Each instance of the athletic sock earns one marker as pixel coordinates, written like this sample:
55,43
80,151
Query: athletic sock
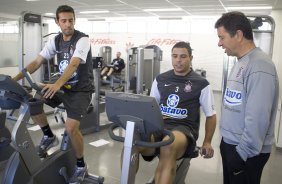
47,131
80,162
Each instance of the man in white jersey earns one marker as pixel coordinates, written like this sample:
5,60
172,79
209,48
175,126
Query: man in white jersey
75,66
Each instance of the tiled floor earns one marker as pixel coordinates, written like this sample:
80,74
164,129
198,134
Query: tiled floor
104,160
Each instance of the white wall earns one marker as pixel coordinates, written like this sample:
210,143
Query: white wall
207,55
278,62
278,43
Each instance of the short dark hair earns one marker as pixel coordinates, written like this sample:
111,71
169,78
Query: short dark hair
183,45
64,8
234,21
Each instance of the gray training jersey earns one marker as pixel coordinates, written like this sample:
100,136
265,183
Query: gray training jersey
250,105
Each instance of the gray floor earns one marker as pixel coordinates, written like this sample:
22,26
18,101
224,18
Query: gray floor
104,160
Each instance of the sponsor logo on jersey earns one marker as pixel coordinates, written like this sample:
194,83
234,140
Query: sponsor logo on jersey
116,62
232,97
171,109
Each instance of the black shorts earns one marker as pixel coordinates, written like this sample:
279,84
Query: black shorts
75,103
186,130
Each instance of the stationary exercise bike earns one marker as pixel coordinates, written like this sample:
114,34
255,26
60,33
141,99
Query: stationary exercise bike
24,165
5,139
140,116
6,148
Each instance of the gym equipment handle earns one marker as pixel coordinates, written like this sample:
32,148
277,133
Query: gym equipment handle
142,143
33,84
158,144
112,135
27,75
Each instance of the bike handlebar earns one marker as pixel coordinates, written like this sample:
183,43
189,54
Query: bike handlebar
142,143
33,84
27,75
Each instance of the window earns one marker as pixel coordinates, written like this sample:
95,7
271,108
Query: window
178,26
100,27
118,27
157,27
137,27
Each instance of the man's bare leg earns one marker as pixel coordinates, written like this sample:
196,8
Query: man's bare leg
166,169
72,128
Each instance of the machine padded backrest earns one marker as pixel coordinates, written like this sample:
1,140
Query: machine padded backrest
141,107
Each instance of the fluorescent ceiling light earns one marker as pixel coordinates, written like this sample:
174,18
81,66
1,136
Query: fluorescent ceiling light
163,9
81,20
200,17
250,8
89,12
97,19
170,18
110,19
49,14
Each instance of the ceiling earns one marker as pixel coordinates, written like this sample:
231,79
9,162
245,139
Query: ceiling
11,9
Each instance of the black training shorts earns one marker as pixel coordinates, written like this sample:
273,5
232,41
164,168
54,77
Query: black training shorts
186,130
75,103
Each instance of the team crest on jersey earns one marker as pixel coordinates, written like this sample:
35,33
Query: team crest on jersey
188,87
232,97
172,100
63,65
240,72
171,109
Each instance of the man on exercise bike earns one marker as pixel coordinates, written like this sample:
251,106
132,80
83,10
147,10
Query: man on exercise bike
75,65
117,65
180,93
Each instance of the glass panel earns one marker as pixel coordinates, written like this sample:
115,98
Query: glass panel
178,27
100,27
118,27
9,44
137,27
157,27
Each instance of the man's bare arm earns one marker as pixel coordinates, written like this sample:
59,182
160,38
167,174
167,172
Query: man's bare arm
31,67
